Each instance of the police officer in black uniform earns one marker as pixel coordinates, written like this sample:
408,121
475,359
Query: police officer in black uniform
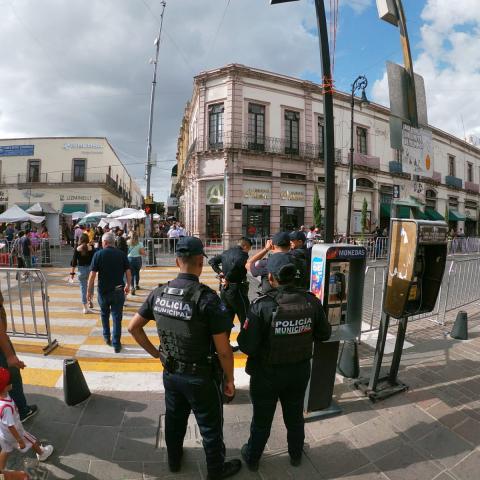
233,278
192,326
278,337
298,243
257,264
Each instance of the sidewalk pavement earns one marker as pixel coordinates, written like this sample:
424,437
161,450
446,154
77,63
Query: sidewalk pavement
430,432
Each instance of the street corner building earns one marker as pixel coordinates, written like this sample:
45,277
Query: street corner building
251,152
65,175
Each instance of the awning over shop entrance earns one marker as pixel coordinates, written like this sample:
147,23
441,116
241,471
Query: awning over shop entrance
455,216
74,207
432,214
385,210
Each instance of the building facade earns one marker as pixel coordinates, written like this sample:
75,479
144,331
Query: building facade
71,174
250,154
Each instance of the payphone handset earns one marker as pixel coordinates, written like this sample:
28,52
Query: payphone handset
337,292
416,262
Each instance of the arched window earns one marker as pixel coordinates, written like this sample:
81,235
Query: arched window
364,183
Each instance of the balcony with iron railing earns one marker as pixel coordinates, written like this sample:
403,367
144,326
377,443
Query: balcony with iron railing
472,187
454,182
364,160
54,179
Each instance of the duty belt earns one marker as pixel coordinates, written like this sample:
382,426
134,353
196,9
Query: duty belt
171,365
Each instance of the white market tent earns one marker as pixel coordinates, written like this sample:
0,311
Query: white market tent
135,215
122,212
41,207
95,214
52,219
111,222
77,215
16,214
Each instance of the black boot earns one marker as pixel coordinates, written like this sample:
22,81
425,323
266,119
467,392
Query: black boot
252,466
229,469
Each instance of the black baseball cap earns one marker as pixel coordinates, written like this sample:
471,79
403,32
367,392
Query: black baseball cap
297,235
281,239
189,247
281,266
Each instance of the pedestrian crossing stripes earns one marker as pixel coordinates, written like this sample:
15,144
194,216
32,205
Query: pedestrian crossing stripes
80,336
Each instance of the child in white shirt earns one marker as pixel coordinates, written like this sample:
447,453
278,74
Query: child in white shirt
12,434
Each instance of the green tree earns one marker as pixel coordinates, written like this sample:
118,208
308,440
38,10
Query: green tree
317,209
364,218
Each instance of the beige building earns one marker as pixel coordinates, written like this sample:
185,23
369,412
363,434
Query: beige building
69,173
250,153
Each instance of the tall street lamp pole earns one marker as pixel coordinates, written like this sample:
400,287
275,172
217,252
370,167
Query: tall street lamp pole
360,83
148,172
329,144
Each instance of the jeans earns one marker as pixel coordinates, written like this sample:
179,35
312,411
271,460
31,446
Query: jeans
17,385
286,383
112,302
135,266
83,273
184,393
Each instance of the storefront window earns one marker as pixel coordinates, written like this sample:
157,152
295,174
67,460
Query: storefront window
214,225
291,218
256,221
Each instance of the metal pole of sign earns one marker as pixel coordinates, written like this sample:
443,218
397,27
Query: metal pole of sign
329,140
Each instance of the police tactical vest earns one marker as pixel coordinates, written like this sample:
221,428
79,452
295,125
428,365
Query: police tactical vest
184,336
291,329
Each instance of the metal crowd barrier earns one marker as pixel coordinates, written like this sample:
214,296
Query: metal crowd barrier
25,294
460,287
158,249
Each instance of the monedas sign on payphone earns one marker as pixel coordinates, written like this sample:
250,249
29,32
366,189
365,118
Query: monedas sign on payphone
415,266
337,277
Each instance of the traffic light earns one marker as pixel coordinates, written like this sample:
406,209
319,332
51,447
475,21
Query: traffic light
147,209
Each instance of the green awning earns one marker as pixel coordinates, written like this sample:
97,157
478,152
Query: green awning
455,216
418,214
385,209
74,207
432,214
403,212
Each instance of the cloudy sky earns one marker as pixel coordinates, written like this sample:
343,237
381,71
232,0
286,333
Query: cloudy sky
81,67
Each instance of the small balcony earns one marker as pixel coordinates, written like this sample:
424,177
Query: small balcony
369,161
472,187
454,182
29,179
395,167
437,177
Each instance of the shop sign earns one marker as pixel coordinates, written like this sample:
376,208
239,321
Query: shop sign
3,196
417,155
257,193
214,193
69,198
82,146
292,195
16,150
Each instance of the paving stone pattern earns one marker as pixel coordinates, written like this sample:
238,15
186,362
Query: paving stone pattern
430,432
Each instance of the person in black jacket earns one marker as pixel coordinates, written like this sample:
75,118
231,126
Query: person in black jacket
192,325
230,267
278,337
120,241
298,243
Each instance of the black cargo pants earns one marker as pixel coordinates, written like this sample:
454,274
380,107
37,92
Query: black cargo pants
286,383
235,298
200,394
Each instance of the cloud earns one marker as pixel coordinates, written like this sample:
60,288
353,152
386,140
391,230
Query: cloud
81,67
448,60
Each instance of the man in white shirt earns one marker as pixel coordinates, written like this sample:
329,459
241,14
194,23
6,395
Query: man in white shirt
173,235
